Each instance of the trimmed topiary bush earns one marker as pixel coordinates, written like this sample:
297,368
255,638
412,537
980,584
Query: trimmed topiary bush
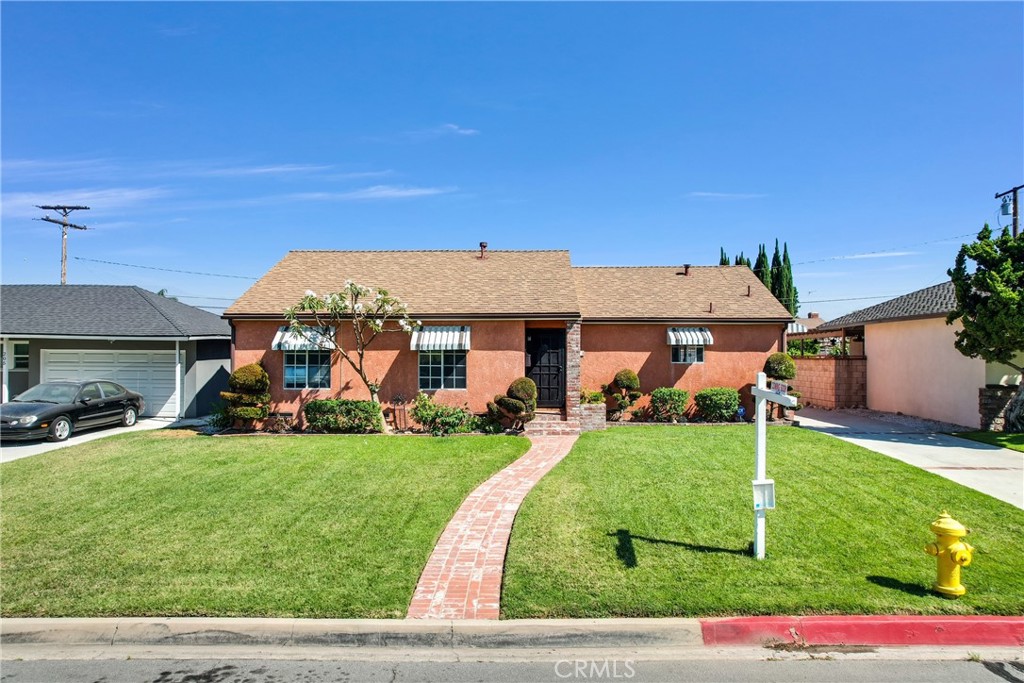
668,404
591,397
440,419
780,366
717,404
343,416
249,395
518,407
624,391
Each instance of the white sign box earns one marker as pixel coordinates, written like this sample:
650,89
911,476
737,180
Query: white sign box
764,494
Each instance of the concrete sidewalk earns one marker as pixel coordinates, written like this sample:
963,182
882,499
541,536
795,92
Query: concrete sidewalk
998,472
881,630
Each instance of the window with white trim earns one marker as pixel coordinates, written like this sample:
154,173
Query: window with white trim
688,354
19,356
442,370
307,369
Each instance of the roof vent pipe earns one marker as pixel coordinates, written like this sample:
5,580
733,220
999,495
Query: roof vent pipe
483,248
686,269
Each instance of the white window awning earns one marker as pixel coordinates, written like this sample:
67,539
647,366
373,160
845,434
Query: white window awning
310,339
689,336
441,338
796,328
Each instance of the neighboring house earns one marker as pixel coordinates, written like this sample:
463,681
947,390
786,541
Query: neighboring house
177,356
489,317
912,364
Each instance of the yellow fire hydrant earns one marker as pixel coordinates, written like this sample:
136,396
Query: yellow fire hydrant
951,553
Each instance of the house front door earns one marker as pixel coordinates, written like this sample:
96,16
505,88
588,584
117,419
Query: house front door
545,365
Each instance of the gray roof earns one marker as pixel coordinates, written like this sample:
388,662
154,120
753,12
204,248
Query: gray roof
929,302
101,311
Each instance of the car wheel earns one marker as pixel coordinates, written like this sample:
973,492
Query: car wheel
130,417
60,429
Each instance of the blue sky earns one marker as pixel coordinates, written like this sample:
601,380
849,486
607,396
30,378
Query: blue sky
215,137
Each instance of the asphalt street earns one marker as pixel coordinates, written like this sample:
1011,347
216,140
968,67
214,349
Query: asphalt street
818,670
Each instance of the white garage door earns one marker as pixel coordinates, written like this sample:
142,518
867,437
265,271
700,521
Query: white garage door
151,373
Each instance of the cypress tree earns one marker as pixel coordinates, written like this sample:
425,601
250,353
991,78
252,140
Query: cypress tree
723,260
761,268
778,282
792,301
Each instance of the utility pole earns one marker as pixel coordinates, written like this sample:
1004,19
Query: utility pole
1016,213
64,211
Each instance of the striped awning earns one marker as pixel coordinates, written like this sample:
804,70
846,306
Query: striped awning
795,328
310,339
441,338
689,336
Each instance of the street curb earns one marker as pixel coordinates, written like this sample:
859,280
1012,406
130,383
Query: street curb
377,633
866,630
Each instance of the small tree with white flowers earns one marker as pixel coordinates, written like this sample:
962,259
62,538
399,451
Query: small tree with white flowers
367,310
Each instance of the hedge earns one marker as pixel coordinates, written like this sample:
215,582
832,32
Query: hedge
343,416
717,404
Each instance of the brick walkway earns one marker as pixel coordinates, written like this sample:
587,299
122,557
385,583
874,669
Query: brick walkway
462,579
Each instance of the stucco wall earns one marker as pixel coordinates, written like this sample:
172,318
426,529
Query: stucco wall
913,368
738,354
496,357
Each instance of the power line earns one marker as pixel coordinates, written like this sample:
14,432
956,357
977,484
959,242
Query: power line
885,251
167,270
211,298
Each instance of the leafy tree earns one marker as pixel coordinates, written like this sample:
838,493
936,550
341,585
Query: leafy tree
164,294
368,311
990,305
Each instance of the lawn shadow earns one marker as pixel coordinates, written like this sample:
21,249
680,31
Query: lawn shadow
626,551
915,589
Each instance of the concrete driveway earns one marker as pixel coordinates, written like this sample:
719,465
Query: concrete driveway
999,472
14,450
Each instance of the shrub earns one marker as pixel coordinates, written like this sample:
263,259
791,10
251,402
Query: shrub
249,395
440,419
717,404
627,379
624,390
668,404
780,366
516,408
343,416
218,417
591,397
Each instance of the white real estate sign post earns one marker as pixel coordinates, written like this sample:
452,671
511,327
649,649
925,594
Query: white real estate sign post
764,488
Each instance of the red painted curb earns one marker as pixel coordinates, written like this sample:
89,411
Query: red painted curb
865,630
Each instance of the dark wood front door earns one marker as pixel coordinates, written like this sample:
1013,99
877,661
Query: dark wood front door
545,365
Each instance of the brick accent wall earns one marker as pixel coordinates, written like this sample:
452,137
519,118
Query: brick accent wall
593,417
993,400
573,384
831,381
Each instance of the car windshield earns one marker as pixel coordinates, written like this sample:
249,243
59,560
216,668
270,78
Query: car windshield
50,393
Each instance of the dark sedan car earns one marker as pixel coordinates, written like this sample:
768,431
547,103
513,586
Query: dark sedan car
53,410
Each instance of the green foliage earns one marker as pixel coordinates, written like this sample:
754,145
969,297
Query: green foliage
790,297
668,404
343,416
627,379
525,390
761,268
218,417
440,419
723,259
717,404
249,395
249,379
366,311
512,405
803,347
780,366
624,391
591,397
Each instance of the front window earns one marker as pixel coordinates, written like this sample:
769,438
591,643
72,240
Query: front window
442,370
307,370
687,354
20,356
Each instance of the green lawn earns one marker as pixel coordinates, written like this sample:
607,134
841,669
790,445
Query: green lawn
656,521
173,524
1012,441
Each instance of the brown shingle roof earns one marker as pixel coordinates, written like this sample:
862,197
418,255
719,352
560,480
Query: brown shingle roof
663,292
934,301
431,283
